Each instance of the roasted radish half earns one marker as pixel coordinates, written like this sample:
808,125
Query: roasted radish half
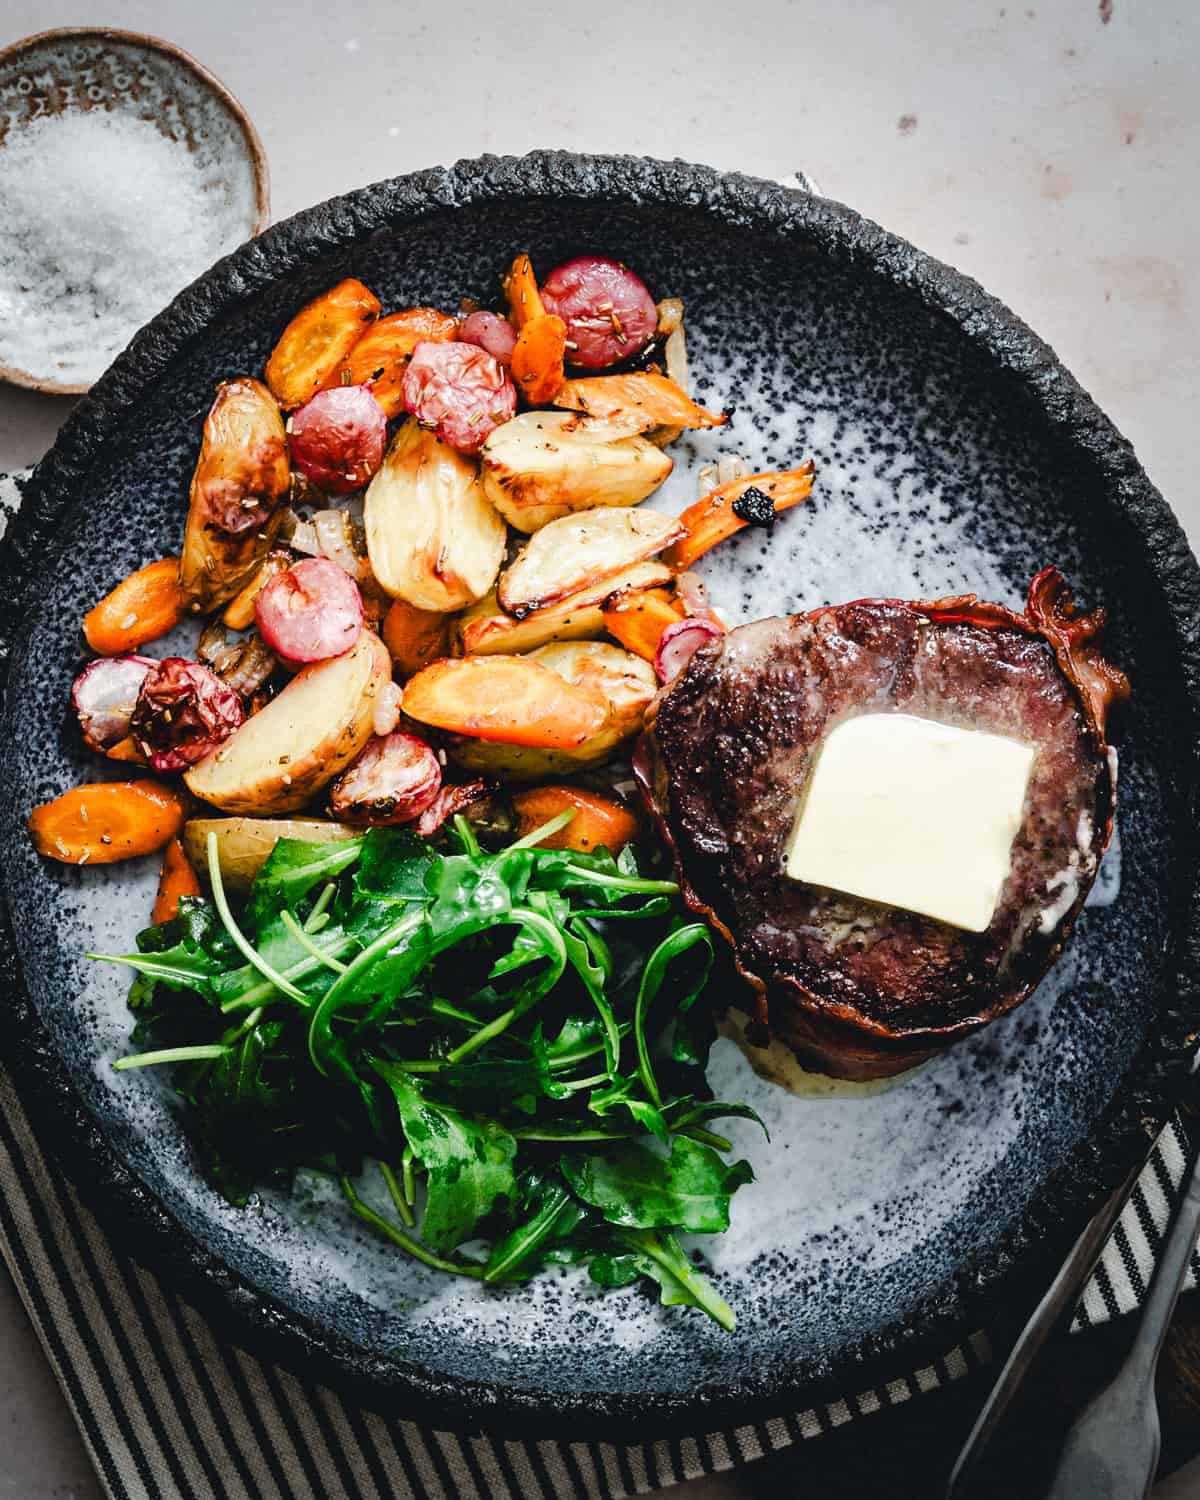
393,780
300,741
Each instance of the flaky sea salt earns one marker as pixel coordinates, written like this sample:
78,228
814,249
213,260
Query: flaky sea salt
103,219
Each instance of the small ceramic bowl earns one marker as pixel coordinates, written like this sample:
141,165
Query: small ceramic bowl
126,170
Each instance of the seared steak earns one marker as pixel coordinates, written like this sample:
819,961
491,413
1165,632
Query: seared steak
855,989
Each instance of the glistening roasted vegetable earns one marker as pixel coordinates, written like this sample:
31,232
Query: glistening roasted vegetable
392,780
578,552
415,637
486,628
300,741
622,681
106,822
459,390
638,617
141,608
433,538
608,312
641,397
380,356
752,501
537,356
240,480
511,699
337,438
597,822
546,464
176,879
318,339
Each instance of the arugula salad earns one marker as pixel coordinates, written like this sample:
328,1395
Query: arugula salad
511,1039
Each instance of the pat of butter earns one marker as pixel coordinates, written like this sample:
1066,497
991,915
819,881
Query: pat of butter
915,814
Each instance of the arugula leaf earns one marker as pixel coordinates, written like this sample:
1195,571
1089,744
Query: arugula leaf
293,868
469,1162
516,1256
661,1257
641,1189
622,1091
394,866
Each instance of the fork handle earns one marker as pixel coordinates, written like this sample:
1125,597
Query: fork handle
1111,1452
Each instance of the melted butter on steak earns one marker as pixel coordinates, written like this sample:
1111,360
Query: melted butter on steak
732,742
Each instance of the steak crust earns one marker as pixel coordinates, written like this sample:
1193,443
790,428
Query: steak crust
859,990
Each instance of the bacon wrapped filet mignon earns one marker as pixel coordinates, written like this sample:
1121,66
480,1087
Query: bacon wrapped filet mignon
853,989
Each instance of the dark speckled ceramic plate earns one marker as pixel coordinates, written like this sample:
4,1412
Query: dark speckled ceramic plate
953,453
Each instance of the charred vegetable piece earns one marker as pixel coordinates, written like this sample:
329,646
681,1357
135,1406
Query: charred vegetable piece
183,711
545,464
716,516
317,340
175,880
578,552
485,628
141,608
393,780
638,617
598,822
511,699
415,637
103,696
537,359
622,682
642,397
243,663
454,798
299,742
241,478
245,844
311,612
337,438
460,391
380,357
433,538
239,612
608,311
492,332
106,822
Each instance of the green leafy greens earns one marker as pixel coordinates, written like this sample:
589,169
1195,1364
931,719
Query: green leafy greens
511,1037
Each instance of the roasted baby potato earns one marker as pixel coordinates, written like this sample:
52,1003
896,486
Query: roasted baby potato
241,478
317,339
290,749
541,465
243,844
486,628
576,552
432,536
625,681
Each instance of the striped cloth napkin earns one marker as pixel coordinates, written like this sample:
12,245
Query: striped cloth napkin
169,1412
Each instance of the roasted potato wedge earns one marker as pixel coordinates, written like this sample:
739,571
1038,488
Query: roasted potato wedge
317,339
542,465
286,752
485,627
625,681
241,479
243,844
432,536
576,552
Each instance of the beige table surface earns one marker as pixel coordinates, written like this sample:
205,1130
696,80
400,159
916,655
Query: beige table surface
1046,151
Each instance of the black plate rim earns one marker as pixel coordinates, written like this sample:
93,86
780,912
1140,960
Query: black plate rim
141,1226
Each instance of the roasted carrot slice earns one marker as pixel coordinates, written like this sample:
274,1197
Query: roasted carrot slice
599,822
415,637
381,355
107,821
239,612
537,359
317,339
638,617
652,399
176,879
714,518
126,750
141,608
521,289
506,698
